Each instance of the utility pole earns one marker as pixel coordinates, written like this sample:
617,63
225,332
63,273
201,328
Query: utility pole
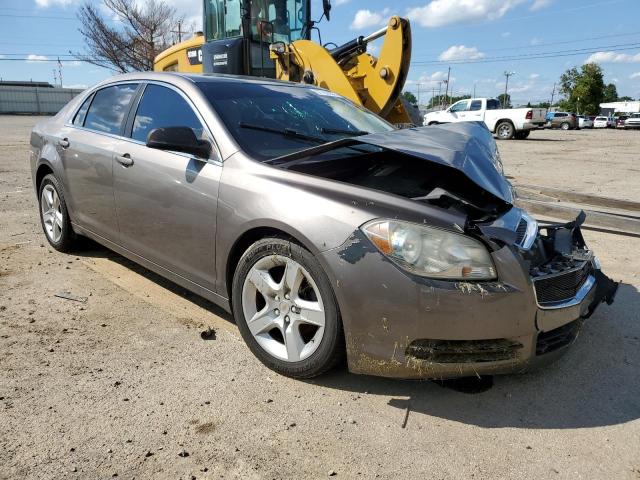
506,85
179,31
553,92
474,89
55,78
446,92
60,71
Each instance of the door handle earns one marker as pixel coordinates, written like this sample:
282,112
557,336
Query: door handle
64,142
124,160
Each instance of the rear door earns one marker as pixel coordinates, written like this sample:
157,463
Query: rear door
88,145
166,201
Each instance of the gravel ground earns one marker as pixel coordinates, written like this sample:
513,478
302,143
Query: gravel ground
123,384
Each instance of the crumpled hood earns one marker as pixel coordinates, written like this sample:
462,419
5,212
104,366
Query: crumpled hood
465,146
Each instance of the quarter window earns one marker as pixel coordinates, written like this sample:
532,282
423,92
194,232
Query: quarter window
78,120
109,107
163,107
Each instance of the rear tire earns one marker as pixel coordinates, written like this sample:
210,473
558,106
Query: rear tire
273,313
505,130
565,126
54,216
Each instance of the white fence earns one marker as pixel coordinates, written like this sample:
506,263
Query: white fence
35,100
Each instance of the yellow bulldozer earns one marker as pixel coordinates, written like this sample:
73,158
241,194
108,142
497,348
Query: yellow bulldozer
272,38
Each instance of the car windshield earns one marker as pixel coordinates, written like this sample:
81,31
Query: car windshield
269,120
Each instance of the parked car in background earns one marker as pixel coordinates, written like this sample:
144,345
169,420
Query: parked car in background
562,120
584,122
506,123
632,122
619,121
322,228
602,122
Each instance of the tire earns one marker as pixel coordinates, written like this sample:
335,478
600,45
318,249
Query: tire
433,123
522,135
280,336
54,216
565,126
505,130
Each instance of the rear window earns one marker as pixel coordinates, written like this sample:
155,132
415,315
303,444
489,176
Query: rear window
601,118
109,107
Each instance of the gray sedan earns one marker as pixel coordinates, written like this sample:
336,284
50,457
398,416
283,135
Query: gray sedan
324,230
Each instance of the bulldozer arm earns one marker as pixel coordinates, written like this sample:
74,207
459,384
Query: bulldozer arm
374,83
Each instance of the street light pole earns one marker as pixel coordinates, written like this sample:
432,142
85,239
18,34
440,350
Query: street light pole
506,85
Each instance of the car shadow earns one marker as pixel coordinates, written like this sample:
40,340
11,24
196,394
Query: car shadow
90,249
594,384
530,139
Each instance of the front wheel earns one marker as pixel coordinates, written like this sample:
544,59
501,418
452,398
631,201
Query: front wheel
505,130
565,126
285,309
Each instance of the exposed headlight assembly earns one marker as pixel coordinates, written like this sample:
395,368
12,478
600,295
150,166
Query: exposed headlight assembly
431,252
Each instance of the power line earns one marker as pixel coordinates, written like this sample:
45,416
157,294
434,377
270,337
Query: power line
531,56
37,16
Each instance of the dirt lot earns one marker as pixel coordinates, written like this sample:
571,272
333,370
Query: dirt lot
123,385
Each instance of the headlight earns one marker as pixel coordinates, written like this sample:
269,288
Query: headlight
431,252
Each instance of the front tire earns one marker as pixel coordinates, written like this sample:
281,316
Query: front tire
286,310
505,130
54,216
565,126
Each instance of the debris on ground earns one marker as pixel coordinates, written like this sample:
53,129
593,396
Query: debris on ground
70,296
208,334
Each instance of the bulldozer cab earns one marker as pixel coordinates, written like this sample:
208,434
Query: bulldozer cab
238,33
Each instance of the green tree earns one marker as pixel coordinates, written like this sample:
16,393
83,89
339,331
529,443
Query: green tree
505,100
625,99
439,100
610,93
410,97
583,90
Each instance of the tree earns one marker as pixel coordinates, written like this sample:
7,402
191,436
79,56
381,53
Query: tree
441,100
625,99
583,89
505,101
610,93
142,30
410,97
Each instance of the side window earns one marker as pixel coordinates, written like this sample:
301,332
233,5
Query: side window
493,104
78,120
475,105
109,107
461,106
164,107
232,20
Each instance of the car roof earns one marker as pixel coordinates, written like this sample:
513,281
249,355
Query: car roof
178,77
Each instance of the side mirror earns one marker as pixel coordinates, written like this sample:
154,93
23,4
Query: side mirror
326,8
178,139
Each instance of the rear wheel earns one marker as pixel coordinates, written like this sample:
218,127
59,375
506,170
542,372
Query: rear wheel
565,126
285,309
505,130
54,216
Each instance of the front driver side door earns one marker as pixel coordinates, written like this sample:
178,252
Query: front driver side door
166,201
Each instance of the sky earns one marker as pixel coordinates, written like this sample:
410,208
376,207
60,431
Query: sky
479,39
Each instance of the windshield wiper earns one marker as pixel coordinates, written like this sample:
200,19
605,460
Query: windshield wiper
286,132
338,131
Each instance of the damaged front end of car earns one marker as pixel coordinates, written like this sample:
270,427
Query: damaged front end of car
502,295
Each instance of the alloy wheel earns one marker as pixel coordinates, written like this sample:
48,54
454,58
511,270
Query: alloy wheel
283,308
51,211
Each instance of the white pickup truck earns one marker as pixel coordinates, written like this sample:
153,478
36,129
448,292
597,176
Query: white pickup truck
506,123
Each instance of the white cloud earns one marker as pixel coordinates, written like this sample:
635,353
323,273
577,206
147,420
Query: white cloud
445,12
634,75
367,18
535,41
51,3
460,52
71,63
534,76
32,57
505,34
431,79
540,4
613,57
341,2
77,85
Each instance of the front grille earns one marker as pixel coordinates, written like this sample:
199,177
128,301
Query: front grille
463,351
521,231
562,286
557,338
